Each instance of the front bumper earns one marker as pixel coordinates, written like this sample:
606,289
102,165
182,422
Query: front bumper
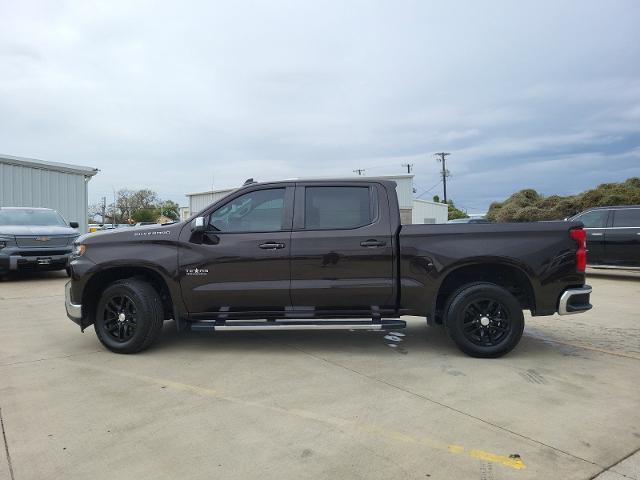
35,260
74,310
575,300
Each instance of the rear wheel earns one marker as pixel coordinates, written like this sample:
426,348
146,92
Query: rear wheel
484,320
129,316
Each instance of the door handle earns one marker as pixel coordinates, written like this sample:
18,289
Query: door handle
597,234
271,246
372,243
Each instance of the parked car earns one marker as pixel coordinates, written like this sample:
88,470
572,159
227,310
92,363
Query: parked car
35,239
613,236
305,255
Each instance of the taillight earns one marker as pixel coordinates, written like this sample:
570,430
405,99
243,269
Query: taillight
580,237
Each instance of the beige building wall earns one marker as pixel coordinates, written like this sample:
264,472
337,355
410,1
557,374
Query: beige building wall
405,216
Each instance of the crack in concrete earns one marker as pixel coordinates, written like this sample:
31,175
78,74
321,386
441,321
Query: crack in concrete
24,362
613,465
6,446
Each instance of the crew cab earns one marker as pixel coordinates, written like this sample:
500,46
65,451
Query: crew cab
324,254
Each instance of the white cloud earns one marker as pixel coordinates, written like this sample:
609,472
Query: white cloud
169,95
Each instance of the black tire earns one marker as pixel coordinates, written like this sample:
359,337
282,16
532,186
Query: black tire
68,270
143,317
484,320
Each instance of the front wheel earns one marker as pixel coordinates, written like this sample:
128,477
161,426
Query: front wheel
484,320
129,316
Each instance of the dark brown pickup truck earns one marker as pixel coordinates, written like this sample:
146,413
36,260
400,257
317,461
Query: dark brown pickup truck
307,255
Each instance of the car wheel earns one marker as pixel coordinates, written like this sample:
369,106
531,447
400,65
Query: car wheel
68,270
484,320
129,316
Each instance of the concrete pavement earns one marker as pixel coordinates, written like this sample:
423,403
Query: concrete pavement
328,405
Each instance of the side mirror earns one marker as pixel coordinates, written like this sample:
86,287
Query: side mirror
74,224
198,224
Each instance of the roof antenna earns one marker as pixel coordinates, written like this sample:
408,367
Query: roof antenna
249,181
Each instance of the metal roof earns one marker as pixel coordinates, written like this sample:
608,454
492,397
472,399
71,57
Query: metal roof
26,208
55,166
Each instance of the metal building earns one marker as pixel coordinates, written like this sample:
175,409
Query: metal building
27,182
425,211
412,210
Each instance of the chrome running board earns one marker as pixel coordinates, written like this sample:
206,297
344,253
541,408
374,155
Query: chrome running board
230,326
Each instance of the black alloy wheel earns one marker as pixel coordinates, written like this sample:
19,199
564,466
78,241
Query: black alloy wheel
119,317
129,316
484,320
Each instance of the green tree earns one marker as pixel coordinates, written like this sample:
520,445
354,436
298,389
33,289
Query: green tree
455,212
148,214
170,209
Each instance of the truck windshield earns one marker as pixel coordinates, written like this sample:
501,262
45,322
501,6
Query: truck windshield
28,217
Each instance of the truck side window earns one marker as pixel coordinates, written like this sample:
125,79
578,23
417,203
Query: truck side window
594,219
258,211
337,207
629,217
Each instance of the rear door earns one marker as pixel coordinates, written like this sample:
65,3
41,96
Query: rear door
595,222
342,247
623,238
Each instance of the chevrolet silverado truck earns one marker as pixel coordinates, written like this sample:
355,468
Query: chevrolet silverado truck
321,255
35,239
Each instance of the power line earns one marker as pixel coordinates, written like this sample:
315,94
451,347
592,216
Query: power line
429,189
441,156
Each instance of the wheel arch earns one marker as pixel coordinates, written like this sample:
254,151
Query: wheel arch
100,280
509,275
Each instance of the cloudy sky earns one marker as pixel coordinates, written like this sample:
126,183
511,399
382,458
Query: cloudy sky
177,96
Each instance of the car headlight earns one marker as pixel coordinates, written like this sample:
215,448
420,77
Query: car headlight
79,249
7,241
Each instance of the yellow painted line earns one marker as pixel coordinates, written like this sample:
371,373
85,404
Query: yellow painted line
516,462
375,430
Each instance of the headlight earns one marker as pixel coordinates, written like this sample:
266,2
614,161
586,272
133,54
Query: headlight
7,241
78,250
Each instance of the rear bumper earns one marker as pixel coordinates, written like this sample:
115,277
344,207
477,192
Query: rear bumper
575,300
74,310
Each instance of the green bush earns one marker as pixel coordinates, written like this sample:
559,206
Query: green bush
529,206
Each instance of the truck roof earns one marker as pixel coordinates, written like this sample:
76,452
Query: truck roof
325,180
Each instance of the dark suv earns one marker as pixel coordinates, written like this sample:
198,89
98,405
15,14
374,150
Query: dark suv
613,236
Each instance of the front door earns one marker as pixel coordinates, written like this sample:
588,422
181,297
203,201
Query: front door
341,248
623,238
241,262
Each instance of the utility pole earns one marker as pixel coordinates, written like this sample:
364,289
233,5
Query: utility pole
359,171
104,208
441,156
113,210
409,166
